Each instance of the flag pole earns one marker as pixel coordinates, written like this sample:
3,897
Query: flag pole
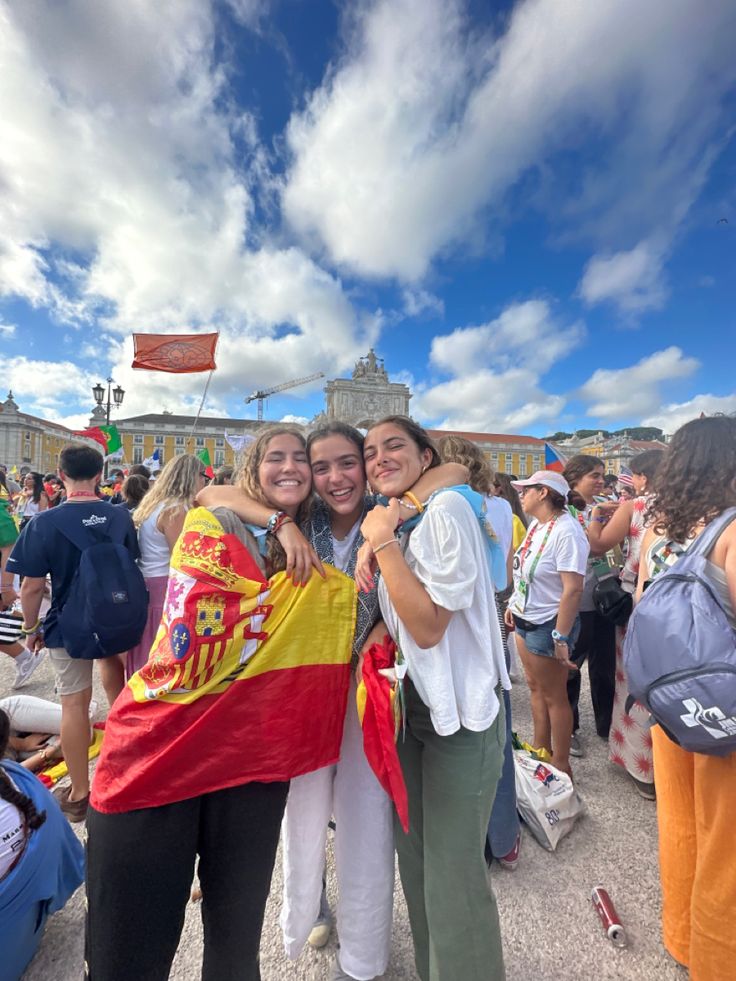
201,405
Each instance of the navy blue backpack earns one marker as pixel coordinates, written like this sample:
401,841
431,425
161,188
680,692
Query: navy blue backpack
107,605
680,652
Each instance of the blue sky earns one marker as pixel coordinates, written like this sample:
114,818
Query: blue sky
519,205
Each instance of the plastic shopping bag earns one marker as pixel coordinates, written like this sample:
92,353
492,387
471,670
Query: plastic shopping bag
546,799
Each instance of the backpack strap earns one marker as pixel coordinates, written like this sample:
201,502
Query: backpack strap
707,538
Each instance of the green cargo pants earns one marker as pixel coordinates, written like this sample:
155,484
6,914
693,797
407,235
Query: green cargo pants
451,782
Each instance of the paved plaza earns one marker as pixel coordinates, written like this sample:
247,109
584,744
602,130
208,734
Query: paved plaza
549,927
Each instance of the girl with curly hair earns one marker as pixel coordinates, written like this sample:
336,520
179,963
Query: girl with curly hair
696,794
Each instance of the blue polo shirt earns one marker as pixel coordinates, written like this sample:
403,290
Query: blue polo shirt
42,549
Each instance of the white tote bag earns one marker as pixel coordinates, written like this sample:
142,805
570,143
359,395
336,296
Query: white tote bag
546,799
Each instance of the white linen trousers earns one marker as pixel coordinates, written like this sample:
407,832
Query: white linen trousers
364,856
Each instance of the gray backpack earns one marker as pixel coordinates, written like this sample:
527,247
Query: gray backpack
680,652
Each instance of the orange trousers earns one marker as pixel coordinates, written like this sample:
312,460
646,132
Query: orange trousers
696,813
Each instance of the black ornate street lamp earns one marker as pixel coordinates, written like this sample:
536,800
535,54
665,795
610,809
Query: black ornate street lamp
117,394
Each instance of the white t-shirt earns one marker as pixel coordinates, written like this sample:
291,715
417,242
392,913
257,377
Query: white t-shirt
341,549
501,518
457,678
566,550
12,835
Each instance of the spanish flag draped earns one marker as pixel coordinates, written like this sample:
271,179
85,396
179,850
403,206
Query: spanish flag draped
247,679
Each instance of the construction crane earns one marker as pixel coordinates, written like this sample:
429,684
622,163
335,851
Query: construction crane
263,393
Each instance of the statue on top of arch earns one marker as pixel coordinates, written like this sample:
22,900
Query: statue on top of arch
370,367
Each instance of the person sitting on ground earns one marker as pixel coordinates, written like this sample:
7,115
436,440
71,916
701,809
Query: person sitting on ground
35,730
11,634
41,861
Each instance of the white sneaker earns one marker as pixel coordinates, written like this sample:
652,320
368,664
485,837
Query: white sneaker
25,665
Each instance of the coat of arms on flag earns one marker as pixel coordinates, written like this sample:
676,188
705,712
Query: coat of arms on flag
247,679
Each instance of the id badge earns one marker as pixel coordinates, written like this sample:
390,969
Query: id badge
517,604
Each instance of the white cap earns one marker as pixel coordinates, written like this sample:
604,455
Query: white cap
547,478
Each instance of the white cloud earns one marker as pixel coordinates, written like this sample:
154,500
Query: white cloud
633,392
670,417
525,334
488,401
7,330
127,199
295,420
496,370
418,302
421,127
632,280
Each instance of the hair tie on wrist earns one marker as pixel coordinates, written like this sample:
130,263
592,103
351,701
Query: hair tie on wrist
391,541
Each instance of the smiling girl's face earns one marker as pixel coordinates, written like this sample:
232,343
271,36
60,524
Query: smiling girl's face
338,474
284,473
393,461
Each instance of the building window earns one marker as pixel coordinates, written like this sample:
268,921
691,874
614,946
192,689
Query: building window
522,466
138,438
219,458
199,442
158,440
138,454
509,462
537,461
179,440
494,459
219,442
179,450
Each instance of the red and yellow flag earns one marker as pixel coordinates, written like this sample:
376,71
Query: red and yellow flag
379,714
247,679
177,353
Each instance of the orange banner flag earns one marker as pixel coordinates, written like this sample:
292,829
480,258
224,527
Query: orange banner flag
178,353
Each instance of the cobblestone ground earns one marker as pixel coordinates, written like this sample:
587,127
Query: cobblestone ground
550,930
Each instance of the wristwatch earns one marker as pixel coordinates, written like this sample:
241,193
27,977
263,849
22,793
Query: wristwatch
559,638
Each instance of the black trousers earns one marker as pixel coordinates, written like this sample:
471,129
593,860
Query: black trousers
597,643
140,867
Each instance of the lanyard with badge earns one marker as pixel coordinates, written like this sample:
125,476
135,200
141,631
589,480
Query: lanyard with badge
525,581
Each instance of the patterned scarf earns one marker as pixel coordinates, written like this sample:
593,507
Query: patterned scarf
319,532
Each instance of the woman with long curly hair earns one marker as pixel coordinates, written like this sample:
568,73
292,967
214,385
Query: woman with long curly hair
696,794
597,640
623,523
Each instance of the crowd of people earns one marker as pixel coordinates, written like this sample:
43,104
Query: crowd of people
443,562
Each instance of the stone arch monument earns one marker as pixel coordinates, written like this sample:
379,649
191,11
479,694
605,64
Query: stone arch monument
367,395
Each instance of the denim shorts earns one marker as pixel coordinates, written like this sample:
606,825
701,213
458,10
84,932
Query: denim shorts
540,641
